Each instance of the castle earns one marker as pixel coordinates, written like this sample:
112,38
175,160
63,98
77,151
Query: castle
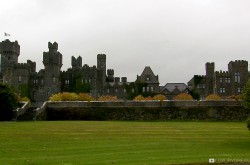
222,83
98,81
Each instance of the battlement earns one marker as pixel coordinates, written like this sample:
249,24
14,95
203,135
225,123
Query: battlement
222,73
239,63
101,56
210,63
76,62
210,66
8,47
85,66
199,76
110,72
117,79
53,46
124,79
21,66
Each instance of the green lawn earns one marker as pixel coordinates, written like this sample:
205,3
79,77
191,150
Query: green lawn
132,143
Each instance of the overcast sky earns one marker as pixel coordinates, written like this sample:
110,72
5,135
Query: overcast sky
174,37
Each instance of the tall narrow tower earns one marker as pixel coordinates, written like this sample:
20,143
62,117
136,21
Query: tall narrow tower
101,73
52,61
209,78
9,52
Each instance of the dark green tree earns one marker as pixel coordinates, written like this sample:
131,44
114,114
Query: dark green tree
246,101
8,103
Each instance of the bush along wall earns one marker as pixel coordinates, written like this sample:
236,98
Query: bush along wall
229,113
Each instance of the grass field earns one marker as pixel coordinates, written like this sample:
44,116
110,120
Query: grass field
132,143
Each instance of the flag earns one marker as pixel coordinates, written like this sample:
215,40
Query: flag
6,34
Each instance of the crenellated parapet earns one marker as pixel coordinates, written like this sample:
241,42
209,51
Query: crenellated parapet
52,57
53,46
101,56
22,66
8,47
199,76
76,62
110,72
222,74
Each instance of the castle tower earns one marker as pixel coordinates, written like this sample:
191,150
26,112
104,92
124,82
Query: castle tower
110,73
9,52
52,61
101,73
239,75
209,78
76,62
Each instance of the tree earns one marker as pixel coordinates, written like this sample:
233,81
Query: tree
8,103
246,100
246,95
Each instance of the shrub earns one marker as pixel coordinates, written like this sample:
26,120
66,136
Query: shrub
214,97
8,103
159,97
65,96
183,96
107,98
56,97
246,95
24,99
139,98
234,97
248,123
85,97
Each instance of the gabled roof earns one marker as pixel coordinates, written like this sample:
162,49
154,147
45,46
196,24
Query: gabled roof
147,72
175,86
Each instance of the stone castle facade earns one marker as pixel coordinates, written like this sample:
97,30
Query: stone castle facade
98,80
223,83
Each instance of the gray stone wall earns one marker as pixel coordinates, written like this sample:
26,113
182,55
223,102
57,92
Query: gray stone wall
144,110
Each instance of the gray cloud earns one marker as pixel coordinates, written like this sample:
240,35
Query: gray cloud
174,37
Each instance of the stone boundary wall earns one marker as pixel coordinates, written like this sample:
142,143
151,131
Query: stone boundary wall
165,103
143,110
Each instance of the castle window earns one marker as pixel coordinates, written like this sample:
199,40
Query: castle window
89,80
143,89
116,90
107,90
67,82
124,90
133,90
221,79
237,77
35,81
19,79
42,81
148,78
239,90
201,86
147,89
222,90
54,80
227,80
33,94
152,89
